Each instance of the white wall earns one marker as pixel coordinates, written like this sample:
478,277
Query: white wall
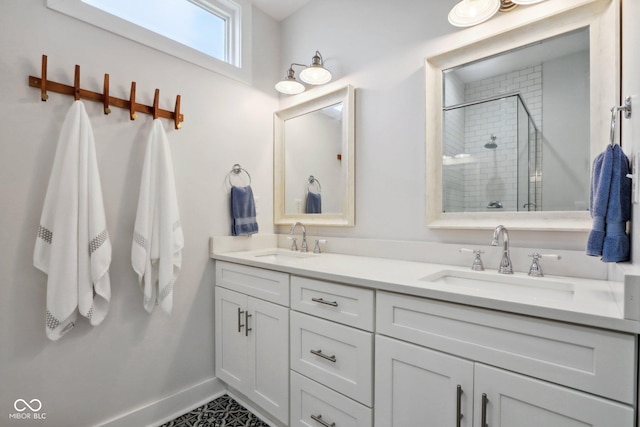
132,358
379,47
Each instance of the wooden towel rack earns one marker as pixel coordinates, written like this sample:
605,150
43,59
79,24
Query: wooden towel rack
108,101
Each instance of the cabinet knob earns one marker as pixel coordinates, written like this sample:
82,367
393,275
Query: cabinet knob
459,415
240,325
322,301
319,353
318,418
246,323
485,400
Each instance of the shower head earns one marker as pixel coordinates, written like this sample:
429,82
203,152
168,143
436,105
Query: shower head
492,142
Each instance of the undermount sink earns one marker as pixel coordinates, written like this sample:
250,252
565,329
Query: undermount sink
503,285
283,255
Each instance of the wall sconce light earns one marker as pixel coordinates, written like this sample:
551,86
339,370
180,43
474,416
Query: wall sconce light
314,74
473,12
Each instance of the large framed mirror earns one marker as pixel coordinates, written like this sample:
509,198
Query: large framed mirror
516,112
314,147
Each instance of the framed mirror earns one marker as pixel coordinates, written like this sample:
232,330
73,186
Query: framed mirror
314,161
515,115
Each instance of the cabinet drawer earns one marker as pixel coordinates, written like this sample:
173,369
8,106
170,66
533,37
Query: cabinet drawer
340,303
257,282
310,399
335,355
594,360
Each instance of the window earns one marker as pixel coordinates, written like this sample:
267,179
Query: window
211,33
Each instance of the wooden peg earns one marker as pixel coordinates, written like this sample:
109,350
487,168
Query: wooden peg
43,80
176,114
105,93
156,99
132,102
76,84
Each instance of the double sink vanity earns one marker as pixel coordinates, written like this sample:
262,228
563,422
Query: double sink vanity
351,341
360,337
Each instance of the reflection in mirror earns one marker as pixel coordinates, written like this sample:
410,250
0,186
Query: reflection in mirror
313,147
551,188
314,161
516,129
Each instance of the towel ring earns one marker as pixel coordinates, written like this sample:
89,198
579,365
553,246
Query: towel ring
236,170
626,107
313,180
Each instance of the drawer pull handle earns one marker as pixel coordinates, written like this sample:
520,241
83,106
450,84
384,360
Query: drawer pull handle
319,419
484,410
324,356
240,325
459,415
246,323
322,301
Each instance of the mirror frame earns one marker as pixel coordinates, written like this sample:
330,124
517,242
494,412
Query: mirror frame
507,32
346,95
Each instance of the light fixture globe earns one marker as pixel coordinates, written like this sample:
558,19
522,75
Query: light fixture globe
290,86
472,12
316,74
523,2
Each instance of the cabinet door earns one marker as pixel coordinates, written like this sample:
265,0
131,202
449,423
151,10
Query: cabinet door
268,333
232,362
418,387
517,401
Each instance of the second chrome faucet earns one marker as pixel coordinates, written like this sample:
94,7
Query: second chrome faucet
294,246
505,266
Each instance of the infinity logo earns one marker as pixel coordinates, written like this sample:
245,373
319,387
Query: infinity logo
21,405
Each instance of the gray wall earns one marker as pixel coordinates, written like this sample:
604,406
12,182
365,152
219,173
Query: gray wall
379,47
132,358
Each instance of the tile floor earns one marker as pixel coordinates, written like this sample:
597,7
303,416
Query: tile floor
221,412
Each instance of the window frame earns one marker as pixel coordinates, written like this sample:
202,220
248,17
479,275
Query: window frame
237,14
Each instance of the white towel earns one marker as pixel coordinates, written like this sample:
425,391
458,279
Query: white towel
73,246
156,250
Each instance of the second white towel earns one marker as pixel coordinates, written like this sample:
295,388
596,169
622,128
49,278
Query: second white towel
156,250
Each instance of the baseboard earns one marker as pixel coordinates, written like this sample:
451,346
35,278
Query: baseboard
170,407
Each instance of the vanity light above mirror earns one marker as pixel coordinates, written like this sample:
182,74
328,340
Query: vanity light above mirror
599,19
473,12
314,74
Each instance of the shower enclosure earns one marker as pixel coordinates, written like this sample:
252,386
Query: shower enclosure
492,156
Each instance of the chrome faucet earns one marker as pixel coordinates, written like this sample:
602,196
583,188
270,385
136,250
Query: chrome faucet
303,247
505,263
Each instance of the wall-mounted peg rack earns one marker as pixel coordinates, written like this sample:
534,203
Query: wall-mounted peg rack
108,101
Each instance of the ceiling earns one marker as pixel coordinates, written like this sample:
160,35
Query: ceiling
279,9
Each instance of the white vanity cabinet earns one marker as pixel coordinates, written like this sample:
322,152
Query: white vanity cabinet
465,366
331,354
252,335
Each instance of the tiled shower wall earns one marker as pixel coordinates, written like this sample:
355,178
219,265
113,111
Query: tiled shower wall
492,173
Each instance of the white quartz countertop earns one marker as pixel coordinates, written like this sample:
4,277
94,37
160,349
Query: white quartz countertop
587,302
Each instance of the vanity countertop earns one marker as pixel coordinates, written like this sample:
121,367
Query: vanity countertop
587,302
595,303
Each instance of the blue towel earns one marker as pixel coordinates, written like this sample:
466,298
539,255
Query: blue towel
610,206
243,211
314,203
